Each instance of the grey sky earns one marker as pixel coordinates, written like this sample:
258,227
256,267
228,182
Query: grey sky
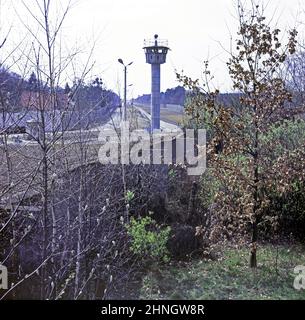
196,30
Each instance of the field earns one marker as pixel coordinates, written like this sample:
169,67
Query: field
229,277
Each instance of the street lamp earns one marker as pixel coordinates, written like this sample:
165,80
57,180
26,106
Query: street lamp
125,86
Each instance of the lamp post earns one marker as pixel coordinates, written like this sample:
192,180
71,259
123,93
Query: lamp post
125,86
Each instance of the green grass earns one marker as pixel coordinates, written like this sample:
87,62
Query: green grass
168,115
230,277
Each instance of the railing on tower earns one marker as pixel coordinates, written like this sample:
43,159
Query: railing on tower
152,42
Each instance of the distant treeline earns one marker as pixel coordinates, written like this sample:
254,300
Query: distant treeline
18,93
170,96
179,95
81,105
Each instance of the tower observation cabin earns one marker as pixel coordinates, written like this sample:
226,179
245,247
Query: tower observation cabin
155,53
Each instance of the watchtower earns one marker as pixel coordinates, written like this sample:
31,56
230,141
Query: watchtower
155,53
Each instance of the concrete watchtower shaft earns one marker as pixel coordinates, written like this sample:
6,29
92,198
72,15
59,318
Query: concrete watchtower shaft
155,53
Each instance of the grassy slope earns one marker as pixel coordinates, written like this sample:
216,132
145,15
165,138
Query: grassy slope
168,114
229,278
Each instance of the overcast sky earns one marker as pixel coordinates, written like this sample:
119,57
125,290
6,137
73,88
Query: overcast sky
196,30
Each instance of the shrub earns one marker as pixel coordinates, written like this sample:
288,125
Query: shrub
289,210
289,135
148,239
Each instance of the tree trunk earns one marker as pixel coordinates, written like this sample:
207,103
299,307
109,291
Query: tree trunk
253,260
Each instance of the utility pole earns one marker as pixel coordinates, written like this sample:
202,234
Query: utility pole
125,87
125,93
